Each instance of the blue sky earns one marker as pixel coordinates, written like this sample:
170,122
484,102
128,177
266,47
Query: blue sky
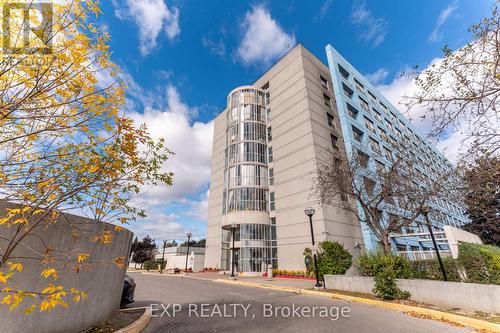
181,58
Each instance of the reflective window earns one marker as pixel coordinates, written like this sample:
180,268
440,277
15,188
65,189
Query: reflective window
246,174
243,199
246,152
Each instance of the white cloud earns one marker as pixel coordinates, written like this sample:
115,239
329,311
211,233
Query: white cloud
161,226
151,17
264,39
371,29
216,47
453,144
324,9
378,76
190,141
444,15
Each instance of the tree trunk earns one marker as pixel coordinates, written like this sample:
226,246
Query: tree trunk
386,243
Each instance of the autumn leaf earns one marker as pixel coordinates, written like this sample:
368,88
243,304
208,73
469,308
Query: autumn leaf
50,272
15,266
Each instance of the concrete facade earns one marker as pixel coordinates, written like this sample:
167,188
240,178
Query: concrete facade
99,277
175,257
297,118
371,124
449,295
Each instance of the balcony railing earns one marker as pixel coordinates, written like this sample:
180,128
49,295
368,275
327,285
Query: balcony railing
423,255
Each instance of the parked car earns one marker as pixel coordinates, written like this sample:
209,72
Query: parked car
128,290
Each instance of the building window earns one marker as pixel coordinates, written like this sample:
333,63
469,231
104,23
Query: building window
357,134
374,144
269,134
271,176
268,97
388,154
335,141
331,119
372,96
378,115
384,107
369,125
364,105
383,134
359,86
347,91
272,201
353,112
244,199
369,186
324,82
380,166
363,159
388,124
343,72
270,154
327,100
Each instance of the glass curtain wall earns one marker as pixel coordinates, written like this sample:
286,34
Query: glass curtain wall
246,185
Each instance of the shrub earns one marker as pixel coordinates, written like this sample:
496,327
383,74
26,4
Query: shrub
430,269
385,268
332,259
154,264
386,287
480,262
370,264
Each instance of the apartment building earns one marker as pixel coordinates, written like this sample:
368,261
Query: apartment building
372,125
266,148
266,145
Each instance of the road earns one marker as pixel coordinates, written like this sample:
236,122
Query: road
209,306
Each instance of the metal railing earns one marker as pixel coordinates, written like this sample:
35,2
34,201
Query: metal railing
423,255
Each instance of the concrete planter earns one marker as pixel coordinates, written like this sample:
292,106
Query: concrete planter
448,295
102,282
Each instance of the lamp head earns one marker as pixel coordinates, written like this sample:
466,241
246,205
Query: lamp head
189,234
309,211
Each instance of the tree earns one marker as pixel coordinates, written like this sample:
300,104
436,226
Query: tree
482,197
171,244
65,143
146,250
135,245
385,197
200,243
462,91
332,258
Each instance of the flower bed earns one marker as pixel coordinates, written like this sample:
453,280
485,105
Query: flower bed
290,275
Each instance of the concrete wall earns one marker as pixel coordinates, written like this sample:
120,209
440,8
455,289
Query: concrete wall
466,296
103,283
196,261
455,236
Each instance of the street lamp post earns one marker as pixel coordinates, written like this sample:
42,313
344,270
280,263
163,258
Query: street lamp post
310,212
233,229
187,252
425,211
163,256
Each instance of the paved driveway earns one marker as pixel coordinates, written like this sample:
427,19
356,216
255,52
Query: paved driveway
209,306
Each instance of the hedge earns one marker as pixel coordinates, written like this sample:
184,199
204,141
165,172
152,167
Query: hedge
480,262
153,265
430,269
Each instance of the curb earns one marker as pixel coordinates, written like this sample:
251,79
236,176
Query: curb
406,309
139,325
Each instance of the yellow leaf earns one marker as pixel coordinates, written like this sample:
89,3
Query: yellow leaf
82,257
119,229
15,266
50,272
30,309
